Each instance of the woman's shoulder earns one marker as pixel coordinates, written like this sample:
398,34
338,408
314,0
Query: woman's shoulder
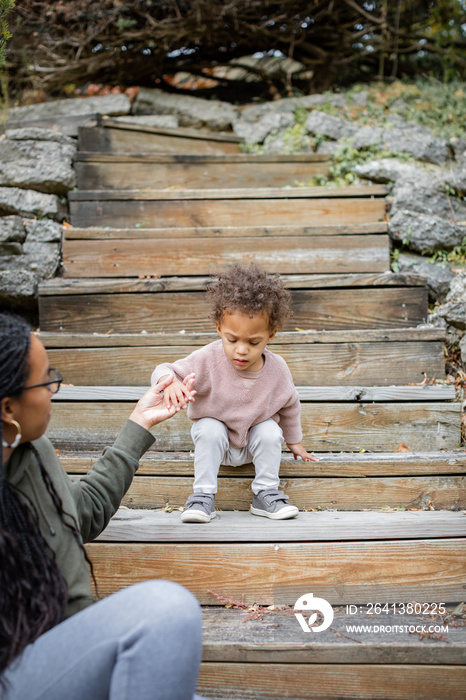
47,452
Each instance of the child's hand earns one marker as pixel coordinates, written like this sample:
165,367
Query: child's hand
177,394
299,451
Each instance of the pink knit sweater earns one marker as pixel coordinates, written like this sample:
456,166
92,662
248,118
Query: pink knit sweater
237,398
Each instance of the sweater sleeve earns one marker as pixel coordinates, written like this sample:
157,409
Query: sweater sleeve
179,369
98,494
290,422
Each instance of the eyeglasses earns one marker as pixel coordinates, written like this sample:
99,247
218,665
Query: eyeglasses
53,384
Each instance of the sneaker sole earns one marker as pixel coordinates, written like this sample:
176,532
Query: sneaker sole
196,516
282,514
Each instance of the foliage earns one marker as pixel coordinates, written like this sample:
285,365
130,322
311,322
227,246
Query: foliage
5,7
456,256
336,41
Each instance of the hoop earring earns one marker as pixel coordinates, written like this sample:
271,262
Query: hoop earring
15,442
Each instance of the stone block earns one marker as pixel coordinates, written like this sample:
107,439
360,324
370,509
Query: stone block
12,229
29,203
329,126
45,166
73,107
191,111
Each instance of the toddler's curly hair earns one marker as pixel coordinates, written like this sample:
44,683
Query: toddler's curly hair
248,288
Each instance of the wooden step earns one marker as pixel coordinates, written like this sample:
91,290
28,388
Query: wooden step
204,255
260,635
257,652
326,302
338,481
108,171
127,137
331,358
348,557
379,427
268,206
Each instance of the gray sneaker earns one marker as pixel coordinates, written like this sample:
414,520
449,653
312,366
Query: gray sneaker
199,508
272,503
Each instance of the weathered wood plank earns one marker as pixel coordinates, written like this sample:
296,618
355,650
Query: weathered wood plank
339,465
332,526
225,232
179,284
351,365
306,393
242,193
343,494
326,426
180,132
236,636
235,158
97,340
202,256
336,680
175,311
267,573
122,139
166,213
143,172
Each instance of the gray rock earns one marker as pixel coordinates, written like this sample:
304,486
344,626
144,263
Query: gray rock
29,203
288,104
454,309
45,231
165,121
41,258
191,111
408,138
11,248
256,132
463,348
111,105
424,232
360,98
439,275
425,192
459,148
18,290
286,143
386,170
45,166
328,147
33,133
329,126
457,179
12,229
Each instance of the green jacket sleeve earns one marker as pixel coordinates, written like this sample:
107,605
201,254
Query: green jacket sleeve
98,494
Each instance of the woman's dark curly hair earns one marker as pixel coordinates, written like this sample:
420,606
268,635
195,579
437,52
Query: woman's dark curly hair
33,591
248,288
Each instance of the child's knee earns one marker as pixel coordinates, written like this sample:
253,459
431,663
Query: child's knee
268,432
211,430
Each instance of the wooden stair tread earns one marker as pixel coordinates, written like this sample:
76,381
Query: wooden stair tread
236,635
60,285
235,526
231,194
81,340
306,393
198,134
96,233
344,464
241,158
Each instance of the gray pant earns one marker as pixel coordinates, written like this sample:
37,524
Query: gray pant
212,448
142,643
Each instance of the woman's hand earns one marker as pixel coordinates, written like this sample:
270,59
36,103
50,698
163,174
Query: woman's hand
299,451
152,409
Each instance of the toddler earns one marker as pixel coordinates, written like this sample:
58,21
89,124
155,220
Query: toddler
246,404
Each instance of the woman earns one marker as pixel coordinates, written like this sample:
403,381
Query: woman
141,643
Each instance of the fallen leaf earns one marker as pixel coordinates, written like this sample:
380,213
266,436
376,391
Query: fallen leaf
403,448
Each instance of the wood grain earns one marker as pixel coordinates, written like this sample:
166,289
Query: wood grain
341,572
142,172
167,213
95,233
203,256
343,494
331,364
326,426
176,311
335,680
124,140
353,465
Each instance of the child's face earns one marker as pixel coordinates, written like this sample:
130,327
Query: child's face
244,338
